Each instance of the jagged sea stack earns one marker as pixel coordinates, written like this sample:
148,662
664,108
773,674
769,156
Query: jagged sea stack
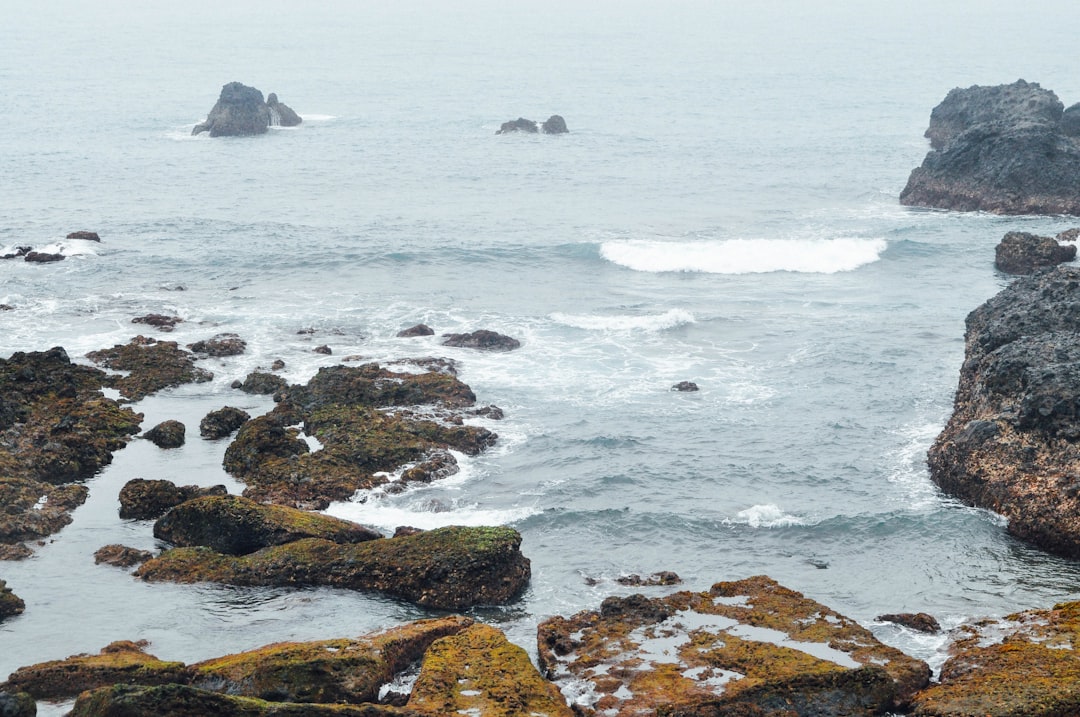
241,110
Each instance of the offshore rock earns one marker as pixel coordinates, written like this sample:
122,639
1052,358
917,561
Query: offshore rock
220,345
1024,666
122,662
1012,443
159,321
222,422
262,383
479,672
519,125
142,499
347,409
1007,149
17,704
1023,253
10,603
449,568
554,124
151,365
750,647
121,556
418,330
237,526
240,110
167,434
40,257
483,340
87,236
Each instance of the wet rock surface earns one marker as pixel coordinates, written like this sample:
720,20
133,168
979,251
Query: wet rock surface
1024,666
10,603
1011,444
482,340
1007,149
746,647
167,434
150,365
142,499
449,568
220,345
234,525
1023,253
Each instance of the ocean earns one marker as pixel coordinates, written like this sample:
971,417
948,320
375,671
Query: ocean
724,210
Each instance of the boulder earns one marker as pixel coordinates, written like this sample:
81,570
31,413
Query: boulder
1024,666
150,366
17,704
448,568
234,525
918,621
479,672
167,434
554,124
1013,440
418,330
519,125
220,345
1007,149
10,603
685,386
741,648
87,236
324,349
142,499
262,383
483,340
1023,253
240,110
281,115
122,662
39,257
121,556
222,422
159,321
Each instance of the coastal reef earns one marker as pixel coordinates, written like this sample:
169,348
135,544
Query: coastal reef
148,366
241,110
1012,444
450,568
1022,253
1007,149
56,429
751,647
368,421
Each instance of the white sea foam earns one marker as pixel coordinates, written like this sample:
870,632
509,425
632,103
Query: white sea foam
766,515
649,322
745,256
378,512
317,118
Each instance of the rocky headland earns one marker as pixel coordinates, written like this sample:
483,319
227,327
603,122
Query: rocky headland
1007,149
241,110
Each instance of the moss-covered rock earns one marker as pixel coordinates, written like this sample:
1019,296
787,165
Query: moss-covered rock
222,422
121,556
450,568
741,647
167,434
1026,666
346,670
142,499
121,662
478,671
150,366
10,603
234,525
184,701
18,704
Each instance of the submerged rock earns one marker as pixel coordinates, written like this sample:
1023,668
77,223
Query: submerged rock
142,499
234,525
10,603
1013,440
159,321
664,577
449,568
151,365
483,340
920,621
748,647
1025,666
1006,149
1023,253
240,110
121,556
222,422
167,434
479,672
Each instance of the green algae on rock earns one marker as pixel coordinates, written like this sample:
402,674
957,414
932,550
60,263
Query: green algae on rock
234,525
10,603
122,662
750,647
1026,666
150,366
450,568
479,672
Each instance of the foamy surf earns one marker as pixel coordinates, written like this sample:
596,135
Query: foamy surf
385,514
649,323
744,256
767,515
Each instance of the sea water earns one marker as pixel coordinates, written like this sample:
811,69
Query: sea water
724,211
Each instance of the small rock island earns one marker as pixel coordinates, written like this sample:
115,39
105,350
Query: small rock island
241,110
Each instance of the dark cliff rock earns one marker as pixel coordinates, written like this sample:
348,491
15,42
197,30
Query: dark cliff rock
483,340
1023,253
750,647
167,434
1013,442
240,110
1006,149
222,422
142,499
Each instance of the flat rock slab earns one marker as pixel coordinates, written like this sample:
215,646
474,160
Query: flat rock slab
740,647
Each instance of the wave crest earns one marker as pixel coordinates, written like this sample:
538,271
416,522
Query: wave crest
745,256
650,323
